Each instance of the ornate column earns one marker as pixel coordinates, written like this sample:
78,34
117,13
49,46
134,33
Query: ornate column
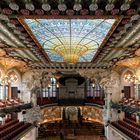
108,105
132,90
107,112
9,91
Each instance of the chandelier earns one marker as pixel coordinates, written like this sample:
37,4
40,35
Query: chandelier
7,77
71,53
132,78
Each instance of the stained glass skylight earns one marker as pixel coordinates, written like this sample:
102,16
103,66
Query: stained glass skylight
70,40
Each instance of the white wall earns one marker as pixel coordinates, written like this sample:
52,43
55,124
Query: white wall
112,135
25,87
31,135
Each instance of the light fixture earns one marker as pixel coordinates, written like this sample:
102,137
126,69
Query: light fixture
132,78
71,53
7,78
49,86
46,6
93,85
93,6
77,6
57,85
62,6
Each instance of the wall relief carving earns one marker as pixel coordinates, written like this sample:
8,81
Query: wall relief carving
108,79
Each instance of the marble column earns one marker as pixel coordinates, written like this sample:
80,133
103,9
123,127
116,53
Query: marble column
20,116
108,106
4,92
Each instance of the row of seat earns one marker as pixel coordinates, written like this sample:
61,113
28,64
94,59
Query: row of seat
15,132
126,130
10,123
10,129
8,120
130,101
137,125
10,102
130,127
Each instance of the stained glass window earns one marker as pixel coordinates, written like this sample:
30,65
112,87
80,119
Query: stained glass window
51,91
65,39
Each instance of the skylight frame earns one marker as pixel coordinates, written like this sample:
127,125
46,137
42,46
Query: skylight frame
117,18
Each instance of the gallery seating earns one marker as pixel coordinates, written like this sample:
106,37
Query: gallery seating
10,123
10,102
132,122
130,102
128,127
12,128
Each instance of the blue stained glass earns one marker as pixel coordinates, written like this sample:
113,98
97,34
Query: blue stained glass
58,34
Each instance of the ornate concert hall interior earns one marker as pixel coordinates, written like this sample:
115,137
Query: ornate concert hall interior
69,69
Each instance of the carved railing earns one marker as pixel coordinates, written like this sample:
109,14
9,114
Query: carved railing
18,108
126,108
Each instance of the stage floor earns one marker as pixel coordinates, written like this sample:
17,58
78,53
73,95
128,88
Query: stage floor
93,137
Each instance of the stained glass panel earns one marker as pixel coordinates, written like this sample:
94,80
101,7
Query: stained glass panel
79,38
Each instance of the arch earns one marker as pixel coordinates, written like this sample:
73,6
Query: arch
126,71
125,82
17,73
1,70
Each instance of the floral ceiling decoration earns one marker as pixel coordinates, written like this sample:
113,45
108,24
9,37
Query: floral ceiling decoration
137,52
107,79
11,63
2,52
131,78
13,76
131,62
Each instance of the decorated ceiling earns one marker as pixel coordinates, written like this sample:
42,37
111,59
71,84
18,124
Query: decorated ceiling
69,34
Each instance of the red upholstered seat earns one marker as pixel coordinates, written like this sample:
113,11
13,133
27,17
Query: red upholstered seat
128,127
